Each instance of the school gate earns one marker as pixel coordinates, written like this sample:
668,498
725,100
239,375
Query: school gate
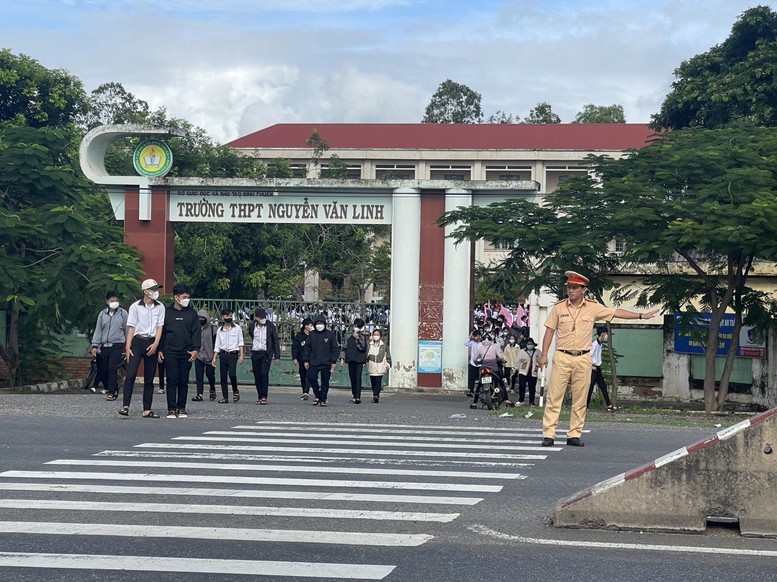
431,277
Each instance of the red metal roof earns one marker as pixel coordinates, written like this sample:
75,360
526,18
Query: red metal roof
433,136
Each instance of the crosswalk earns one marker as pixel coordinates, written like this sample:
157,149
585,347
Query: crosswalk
315,486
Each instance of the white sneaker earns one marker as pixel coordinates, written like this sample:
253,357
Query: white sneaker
182,414
172,414
304,397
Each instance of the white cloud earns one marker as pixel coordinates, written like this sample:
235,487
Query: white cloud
240,65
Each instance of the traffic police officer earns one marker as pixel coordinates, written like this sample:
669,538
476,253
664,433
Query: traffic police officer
572,320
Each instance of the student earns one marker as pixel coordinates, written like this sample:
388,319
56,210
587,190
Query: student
597,379
320,358
473,345
528,368
355,353
265,346
180,347
378,363
202,365
296,354
108,344
145,321
229,349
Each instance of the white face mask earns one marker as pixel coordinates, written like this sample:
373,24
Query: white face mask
320,327
261,321
357,329
154,295
376,338
184,302
113,305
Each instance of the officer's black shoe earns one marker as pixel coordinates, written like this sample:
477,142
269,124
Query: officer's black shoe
575,442
547,442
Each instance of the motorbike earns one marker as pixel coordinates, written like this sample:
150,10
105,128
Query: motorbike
489,388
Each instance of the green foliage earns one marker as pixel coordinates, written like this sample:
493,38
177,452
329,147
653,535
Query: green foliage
733,81
32,95
502,118
59,255
542,114
600,114
453,103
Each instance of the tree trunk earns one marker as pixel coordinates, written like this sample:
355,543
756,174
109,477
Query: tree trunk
11,355
613,367
728,367
710,355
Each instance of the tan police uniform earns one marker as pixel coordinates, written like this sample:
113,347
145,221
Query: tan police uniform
574,327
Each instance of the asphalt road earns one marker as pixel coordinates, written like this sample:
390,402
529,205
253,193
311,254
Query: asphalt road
397,491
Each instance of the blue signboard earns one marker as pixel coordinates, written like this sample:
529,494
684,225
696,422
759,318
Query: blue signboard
750,346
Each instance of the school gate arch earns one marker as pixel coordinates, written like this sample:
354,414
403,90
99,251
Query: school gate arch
430,275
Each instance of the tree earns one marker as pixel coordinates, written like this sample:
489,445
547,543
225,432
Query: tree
453,103
734,80
33,95
111,103
59,254
600,114
542,114
502,118
701,201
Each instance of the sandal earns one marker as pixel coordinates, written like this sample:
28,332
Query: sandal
611,408
323,403
235,396
151,414
160,390
315,401
262,401
223,401
213,395
124,411
354,401
197,398
111,397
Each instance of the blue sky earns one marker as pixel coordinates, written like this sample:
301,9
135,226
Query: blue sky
250,63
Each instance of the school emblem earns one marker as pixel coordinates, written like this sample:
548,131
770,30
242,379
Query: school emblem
153,158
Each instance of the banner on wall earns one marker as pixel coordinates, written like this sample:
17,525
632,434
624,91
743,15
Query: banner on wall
429,357
268,206
750,345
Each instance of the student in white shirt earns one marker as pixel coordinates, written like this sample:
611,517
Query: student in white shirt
597,379
145,322
229,349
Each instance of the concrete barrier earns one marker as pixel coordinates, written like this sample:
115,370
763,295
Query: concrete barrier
730,476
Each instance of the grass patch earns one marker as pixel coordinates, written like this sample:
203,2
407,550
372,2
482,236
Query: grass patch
635,415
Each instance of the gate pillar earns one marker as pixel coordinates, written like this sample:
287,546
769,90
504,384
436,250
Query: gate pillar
146,226
405,265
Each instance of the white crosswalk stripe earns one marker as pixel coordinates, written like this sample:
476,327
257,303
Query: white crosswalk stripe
285,465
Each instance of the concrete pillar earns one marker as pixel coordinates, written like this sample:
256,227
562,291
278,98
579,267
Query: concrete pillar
457,310
154,235
405,264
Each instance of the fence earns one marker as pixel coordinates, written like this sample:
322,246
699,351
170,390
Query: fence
288,316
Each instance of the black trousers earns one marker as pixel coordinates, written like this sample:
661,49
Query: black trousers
472,377
178,368
139,347
303,378
228,368
320,391
376,382
355,370
511,378
260,364
108,364
597,379
201,370
523,381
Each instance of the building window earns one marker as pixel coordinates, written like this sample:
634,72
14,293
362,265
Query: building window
394,172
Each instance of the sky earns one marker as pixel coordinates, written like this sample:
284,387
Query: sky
236,66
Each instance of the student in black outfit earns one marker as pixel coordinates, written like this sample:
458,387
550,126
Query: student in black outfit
296,354
181,339
355,353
